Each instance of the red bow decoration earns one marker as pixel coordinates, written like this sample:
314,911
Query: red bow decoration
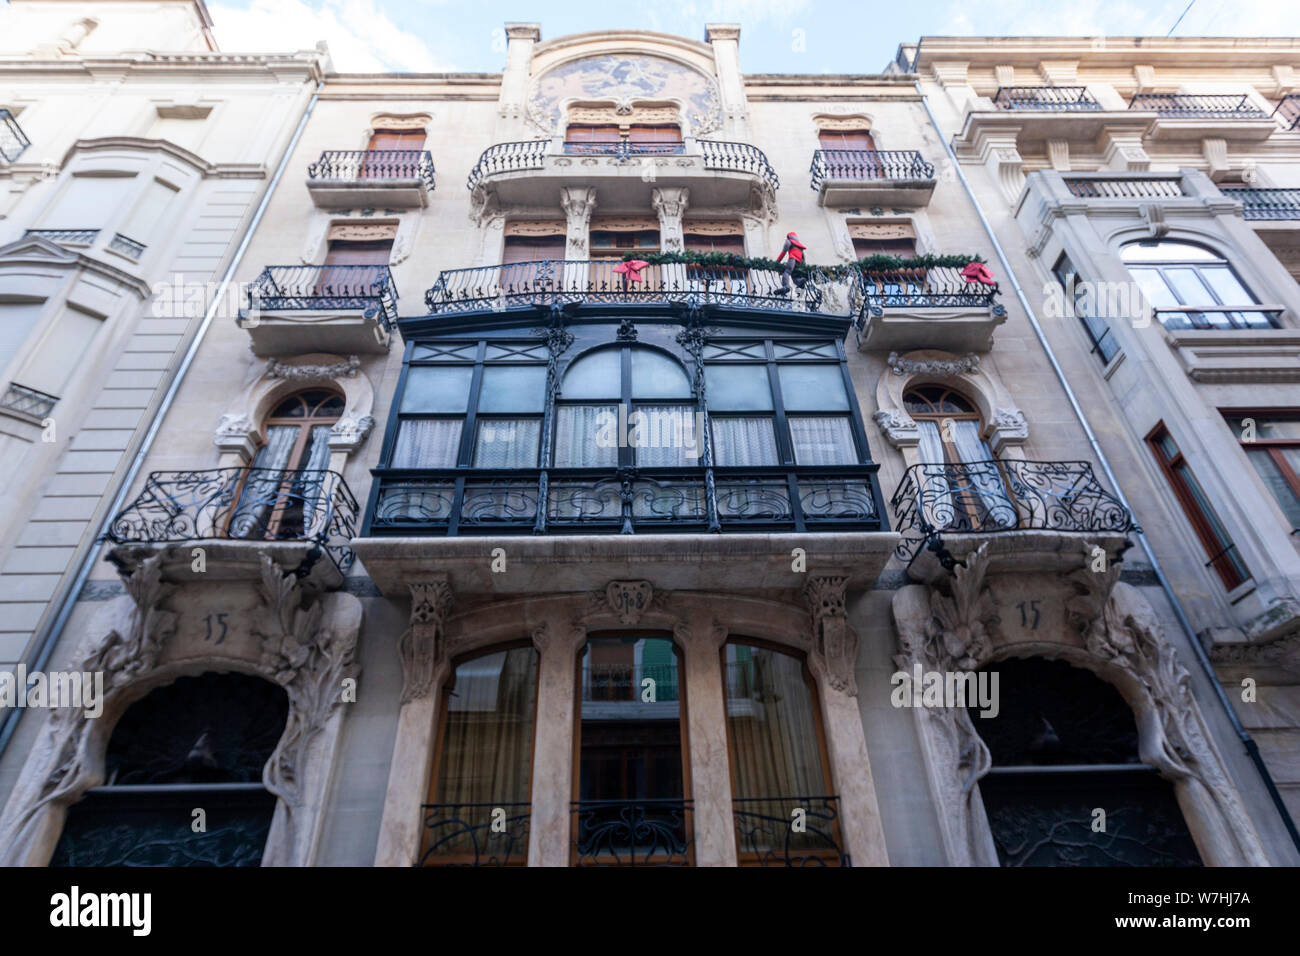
632,269
978,272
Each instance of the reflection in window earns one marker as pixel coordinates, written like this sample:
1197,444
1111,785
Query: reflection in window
1271,442
777,760
1176,275
199,742
484,762
1063,744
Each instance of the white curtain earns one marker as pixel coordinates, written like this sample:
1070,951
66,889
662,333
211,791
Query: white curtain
822,441
936,505
428,443
256,501
577,428
743,441
312,487
987,481
507,443
662,432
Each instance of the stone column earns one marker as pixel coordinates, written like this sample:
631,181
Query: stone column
670,205
424,670
832,661
549,830
701,642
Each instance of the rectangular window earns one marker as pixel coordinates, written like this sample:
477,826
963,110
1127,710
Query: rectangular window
854,139
1085,310
1222,553
1271,441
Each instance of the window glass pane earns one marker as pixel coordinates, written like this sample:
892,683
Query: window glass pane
586,436
664,436
1188,287
437,389
655,375
1222,553
744,441
594,375
739,388
507,442
805,350
1225,285
1277,482
431,443
1154,287
513,388
734,350
813,387
1166,252
822,441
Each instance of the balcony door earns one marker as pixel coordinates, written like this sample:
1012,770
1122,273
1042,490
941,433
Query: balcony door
961,486
526,245
353,268
631,807
715,238
381,162
283,493
850,154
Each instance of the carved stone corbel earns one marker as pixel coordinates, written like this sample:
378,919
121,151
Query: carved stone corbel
421,646
834,643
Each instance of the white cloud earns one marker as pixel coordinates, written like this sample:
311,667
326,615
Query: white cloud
1120,18
361,37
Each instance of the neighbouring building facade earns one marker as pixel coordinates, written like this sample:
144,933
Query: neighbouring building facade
525,513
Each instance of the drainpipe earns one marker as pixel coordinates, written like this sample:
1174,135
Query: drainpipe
69,598
1198,650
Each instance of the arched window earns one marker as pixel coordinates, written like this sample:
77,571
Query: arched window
1067,786
632,807
1192,287
657,404
779,769
961,484
201,742
484,762
283,491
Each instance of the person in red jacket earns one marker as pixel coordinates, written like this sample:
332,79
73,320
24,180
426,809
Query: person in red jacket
792,252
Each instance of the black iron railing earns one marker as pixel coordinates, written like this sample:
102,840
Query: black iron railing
12,138
990,497
475,834
532,154
259,504
1125,187
1064,99
1266,203
738,158
362,165
127,246
1198,106
938,287
29,401
633,833
868,165
623,501
1288,110
559,281
788,831
71,237
315,288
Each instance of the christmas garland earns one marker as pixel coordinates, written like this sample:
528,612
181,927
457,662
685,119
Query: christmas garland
876,263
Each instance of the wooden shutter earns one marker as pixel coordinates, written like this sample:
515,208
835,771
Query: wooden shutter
855,139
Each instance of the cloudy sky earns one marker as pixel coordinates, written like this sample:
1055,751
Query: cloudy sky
778,36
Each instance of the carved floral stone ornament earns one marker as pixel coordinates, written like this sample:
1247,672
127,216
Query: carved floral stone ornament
348,368
628,601
834,643
967,364
421,646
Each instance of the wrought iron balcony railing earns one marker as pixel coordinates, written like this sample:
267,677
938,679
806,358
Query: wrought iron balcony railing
466,834
938,287
317,288
258,504
532,154
866,165
1063,99
1288,110
994,497
1270,204
69,237
1198,106
362,165
12,138
1125,187
28,401
559,281
126,246
624,501
765,835
633,833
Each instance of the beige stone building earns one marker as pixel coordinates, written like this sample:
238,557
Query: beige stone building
527,513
